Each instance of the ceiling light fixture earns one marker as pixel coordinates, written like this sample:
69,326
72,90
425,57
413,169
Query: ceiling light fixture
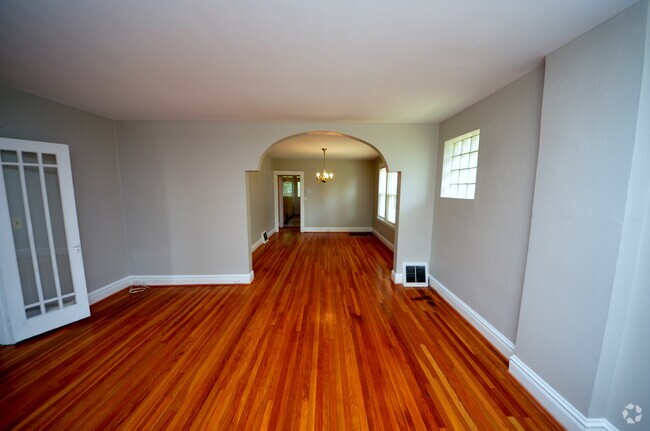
325,177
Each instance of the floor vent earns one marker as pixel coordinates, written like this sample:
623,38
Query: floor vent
415,274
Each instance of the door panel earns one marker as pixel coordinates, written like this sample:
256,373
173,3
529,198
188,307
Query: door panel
40,253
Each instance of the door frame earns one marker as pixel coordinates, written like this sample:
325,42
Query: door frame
276,197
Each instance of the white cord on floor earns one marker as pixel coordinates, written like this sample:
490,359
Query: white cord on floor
138,287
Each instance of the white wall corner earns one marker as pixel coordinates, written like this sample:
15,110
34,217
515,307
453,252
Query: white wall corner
108,290
396,277
383,239
555,403
498,340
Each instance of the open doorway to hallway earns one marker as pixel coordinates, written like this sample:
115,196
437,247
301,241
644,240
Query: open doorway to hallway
289,193
289,199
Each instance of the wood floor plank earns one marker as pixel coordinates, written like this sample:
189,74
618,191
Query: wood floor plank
321,340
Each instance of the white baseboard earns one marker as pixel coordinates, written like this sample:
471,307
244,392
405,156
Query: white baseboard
178,280
555,403
383,239
498,340
337,229
260,241
256,244
396,277
167,280
108,290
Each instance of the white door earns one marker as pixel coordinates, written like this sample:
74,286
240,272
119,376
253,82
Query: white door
43,281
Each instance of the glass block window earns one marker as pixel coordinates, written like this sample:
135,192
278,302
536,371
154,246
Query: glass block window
459,166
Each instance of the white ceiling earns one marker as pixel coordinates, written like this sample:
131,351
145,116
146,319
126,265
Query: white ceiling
310,145
334,60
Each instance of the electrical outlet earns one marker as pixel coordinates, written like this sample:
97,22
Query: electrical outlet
17,223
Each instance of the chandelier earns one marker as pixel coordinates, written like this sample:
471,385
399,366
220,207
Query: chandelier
325,177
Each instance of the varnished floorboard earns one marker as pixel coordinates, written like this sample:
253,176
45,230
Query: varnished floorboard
320,340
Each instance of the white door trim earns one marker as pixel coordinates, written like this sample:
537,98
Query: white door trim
276,197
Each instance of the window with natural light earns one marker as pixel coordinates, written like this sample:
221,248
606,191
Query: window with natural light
387,196
287,188
459,166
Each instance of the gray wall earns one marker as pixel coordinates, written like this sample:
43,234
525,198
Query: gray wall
629,377
344,202
588,128
260,200
184,188
478,247
95,172
623,375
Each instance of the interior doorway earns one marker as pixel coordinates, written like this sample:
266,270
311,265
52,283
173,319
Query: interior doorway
289,199
290,214
341,207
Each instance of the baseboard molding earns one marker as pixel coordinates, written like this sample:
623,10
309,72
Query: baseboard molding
108,290
396,277
555,403
498,340
383,239
167,280
260,241
337,229
256,244
179,280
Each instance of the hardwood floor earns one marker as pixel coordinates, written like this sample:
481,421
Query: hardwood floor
320,340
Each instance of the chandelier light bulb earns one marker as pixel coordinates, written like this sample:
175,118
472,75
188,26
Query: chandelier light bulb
326,176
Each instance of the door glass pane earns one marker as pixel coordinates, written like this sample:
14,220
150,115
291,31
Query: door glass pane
58,229
49,159
8,156
21,238
39,229
29,157
69,301
33,311
51,306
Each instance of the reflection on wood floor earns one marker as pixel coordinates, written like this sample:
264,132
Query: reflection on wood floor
320,340
294,221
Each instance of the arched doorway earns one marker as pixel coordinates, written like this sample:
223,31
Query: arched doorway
348,204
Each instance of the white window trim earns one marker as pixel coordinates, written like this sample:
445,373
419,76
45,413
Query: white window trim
380,194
